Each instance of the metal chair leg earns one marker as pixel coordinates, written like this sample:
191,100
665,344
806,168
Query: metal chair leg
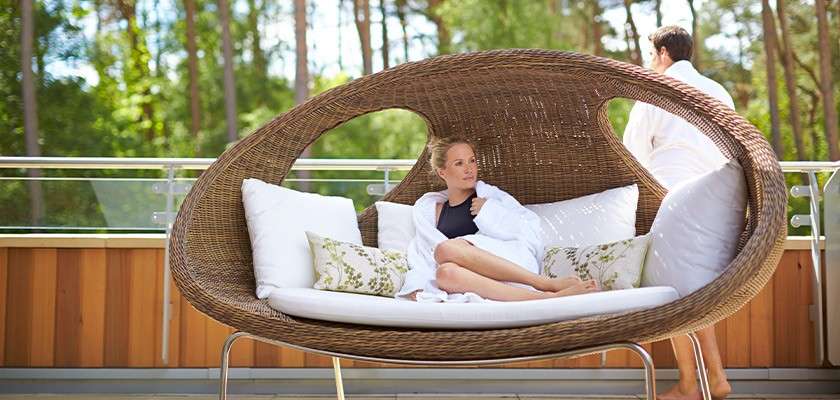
650,371
223,370
339,383
701,367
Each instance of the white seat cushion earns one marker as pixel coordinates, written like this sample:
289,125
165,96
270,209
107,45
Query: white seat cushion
375,310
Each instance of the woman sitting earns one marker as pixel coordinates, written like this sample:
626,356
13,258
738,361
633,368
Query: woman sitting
476,238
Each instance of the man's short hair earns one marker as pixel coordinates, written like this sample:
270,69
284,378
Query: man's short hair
675,39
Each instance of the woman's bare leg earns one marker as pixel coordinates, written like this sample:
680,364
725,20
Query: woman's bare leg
461,252
453,278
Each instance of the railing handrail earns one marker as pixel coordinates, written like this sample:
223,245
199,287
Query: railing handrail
353,164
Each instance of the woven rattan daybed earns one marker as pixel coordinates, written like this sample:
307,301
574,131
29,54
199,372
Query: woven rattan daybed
539,121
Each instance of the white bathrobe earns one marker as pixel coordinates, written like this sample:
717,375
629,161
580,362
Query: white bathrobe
505,228
669,147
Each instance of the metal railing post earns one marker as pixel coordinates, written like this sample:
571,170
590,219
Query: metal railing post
170,205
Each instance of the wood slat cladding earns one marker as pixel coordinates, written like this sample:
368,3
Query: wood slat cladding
4,283
101,307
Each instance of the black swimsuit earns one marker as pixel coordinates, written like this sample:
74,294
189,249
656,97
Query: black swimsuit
457,221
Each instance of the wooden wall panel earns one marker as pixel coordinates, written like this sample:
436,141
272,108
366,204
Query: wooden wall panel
216,333
68,318
103,308
142,295
242,353
266,355
737,348
42,346
117,307
19,310
4,283
720,335
193,336
761,327
805,335
92,281
174,359
663,354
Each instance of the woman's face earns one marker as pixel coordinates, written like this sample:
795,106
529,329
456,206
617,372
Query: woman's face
460,170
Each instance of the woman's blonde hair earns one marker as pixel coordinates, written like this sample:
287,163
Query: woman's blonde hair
438,146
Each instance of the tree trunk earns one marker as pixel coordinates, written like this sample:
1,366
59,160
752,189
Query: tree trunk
790,83
230,88
340,36
597,28
158,41
811,125
444,40
301,53
770,64
260,63
302,78
658,9
192,62
385,43
695,35
827,82
401,7
635,53
138,68
361,14
30,112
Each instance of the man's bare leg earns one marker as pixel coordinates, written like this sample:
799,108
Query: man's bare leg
688,388
453,278
463,253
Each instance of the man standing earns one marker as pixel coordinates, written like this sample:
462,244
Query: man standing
674,151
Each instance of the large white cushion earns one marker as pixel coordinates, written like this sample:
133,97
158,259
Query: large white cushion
375,310
695,233
604,217
395,226
608,216
277,218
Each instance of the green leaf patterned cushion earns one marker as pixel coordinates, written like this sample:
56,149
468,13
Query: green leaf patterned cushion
347,267
616,265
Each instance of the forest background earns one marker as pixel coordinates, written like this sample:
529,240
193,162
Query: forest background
186,78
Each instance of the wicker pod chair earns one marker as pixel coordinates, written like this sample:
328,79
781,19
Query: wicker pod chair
538,119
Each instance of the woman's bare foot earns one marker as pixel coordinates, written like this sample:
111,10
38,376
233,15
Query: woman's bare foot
587,286
558,284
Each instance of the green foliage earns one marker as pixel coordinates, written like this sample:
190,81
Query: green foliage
139,103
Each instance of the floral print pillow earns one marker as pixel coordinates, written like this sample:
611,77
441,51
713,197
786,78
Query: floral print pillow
616,265
347,267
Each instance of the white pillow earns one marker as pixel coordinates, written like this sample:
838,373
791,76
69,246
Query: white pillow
604,217
277,219
395,225
695,233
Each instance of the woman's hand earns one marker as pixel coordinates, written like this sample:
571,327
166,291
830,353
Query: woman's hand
476,205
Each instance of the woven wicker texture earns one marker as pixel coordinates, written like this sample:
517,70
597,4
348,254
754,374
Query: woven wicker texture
539,121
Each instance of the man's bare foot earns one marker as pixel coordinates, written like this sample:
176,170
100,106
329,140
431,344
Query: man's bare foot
720,389
587,286
678,393
558,284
